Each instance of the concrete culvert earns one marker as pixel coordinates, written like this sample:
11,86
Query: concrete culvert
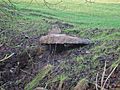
61,42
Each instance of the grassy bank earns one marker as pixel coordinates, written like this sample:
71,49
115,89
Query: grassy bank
99,21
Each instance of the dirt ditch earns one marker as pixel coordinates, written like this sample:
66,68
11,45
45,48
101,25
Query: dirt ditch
20,69
26,60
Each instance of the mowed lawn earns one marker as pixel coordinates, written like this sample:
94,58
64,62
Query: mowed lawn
84,15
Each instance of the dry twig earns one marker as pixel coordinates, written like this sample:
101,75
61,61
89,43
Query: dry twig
6,57
103,83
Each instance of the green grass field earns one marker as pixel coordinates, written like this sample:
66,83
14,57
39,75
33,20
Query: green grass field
81,14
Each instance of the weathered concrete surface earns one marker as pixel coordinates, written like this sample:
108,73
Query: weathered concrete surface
63,39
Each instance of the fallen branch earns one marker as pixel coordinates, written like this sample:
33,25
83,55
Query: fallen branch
6,57
103,75
103,83
109,75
